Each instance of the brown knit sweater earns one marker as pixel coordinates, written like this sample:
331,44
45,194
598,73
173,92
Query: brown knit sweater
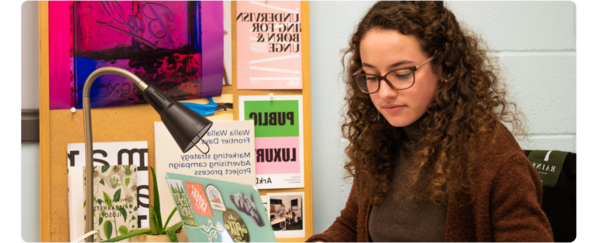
505,206
396,219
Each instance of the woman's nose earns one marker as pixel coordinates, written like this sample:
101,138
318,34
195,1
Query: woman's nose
385,90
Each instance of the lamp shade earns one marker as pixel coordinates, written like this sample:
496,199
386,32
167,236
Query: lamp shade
185,125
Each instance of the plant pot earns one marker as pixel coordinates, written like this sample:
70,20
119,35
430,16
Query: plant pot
181,236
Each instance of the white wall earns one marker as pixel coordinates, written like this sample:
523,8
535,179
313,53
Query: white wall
535,44
30,151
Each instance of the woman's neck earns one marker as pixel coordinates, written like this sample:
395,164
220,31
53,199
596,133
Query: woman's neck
413,131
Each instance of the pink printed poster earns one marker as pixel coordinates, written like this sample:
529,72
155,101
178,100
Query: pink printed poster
269,53
279,139
176,46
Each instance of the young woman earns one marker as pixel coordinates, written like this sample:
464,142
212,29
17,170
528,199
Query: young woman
429,154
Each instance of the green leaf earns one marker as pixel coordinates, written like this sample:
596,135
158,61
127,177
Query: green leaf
84,203
153,226
102,182
171,232
124,213
107,229
117,195
100,221
123,230
127,180
107,200
169,218
172,235
128,235
105,168
99,201
156,199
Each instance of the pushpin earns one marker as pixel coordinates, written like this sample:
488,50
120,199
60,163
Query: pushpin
73,109
271,95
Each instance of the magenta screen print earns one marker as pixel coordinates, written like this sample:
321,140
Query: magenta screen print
176,46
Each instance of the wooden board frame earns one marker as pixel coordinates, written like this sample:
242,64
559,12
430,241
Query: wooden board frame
135,123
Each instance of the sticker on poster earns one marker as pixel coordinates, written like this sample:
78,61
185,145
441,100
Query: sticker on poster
235,226
215,198
182,202
245,203
211,230
198,198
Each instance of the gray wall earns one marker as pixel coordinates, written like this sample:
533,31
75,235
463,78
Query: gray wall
535,42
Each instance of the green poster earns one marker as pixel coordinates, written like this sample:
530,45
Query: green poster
273,118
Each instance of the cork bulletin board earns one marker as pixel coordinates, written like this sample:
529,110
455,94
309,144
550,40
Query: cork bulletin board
136,123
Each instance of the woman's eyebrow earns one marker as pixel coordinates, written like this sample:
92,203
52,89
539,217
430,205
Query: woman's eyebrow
364,64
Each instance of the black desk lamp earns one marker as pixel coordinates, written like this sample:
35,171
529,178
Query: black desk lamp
186,126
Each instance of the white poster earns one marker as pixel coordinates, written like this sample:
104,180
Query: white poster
231,158
112,153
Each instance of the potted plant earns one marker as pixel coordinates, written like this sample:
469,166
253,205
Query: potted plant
157,231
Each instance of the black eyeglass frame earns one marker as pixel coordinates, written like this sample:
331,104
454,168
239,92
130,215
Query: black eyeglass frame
379,78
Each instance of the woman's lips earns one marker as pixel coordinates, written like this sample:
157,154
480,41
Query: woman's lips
393,108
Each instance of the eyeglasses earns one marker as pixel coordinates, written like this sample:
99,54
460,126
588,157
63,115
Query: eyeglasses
398,79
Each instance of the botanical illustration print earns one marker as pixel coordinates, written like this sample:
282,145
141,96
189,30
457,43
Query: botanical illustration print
115,204
184,206
211,230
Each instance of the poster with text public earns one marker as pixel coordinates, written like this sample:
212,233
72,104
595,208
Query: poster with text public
279,139
269,53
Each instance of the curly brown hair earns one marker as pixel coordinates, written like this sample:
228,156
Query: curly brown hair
471,101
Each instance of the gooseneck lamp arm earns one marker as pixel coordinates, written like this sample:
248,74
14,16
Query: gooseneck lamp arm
186,126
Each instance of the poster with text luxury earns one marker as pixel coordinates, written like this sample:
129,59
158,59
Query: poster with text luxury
278,128
176,46
269,53
231,157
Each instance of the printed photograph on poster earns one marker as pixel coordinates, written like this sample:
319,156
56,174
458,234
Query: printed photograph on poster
108,153
231,158
279,137
286,213
269,53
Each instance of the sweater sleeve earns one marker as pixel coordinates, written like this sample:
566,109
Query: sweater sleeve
343,228
516,213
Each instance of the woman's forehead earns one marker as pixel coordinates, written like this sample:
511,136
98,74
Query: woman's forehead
388,49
